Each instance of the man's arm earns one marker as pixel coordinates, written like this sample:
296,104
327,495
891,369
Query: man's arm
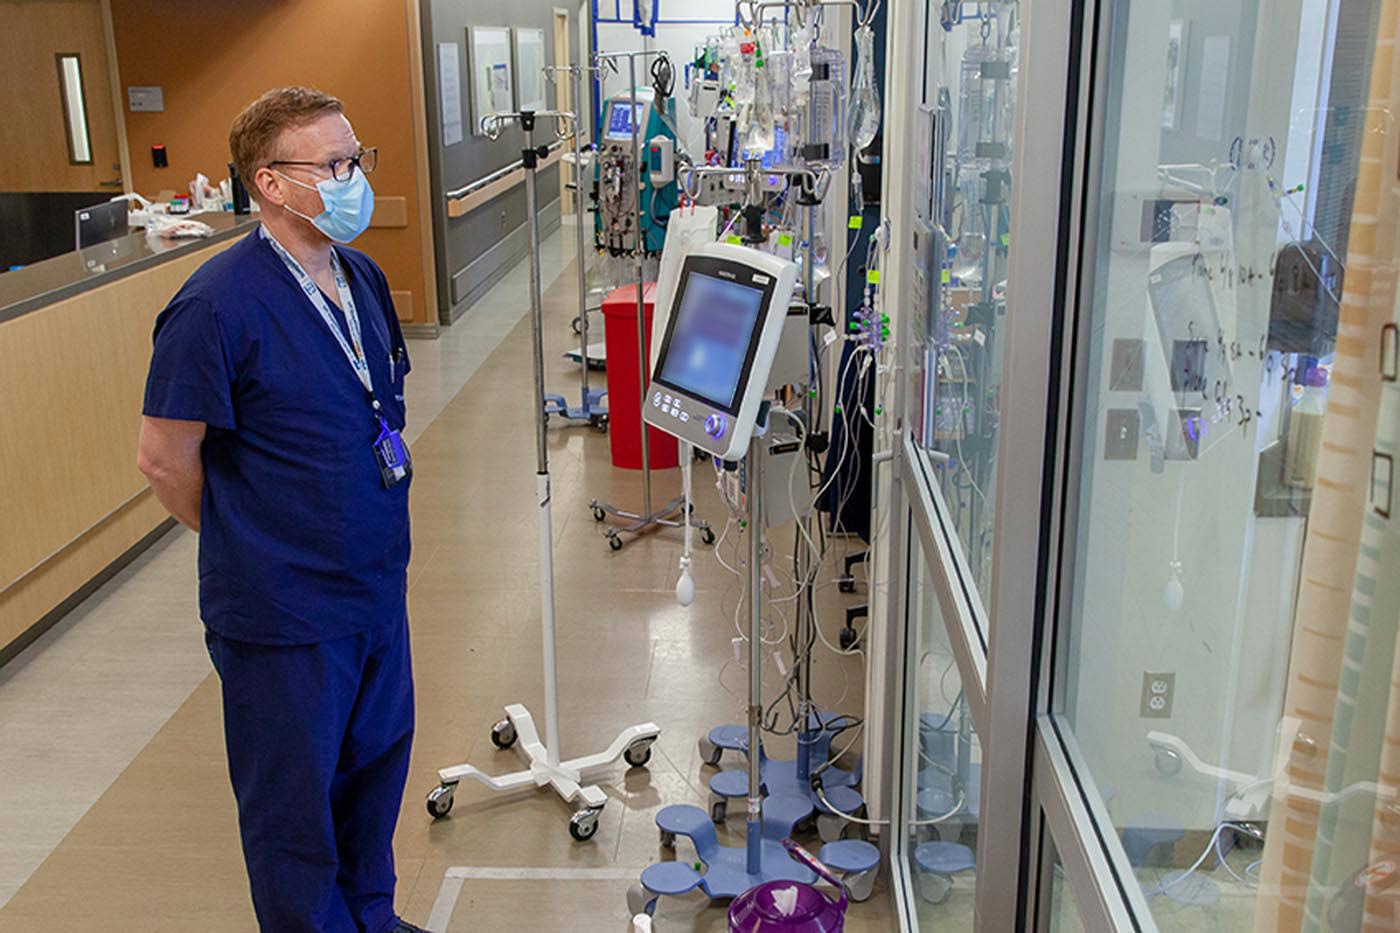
169,457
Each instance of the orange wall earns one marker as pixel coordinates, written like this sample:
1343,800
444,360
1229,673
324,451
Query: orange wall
212,57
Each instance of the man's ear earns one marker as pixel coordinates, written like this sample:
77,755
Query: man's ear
269,184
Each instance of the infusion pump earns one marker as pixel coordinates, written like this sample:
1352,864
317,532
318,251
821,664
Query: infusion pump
718,339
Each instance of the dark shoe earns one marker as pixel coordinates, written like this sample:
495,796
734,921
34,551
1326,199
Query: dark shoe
406,927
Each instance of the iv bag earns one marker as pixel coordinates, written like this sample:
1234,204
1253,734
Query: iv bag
800,76
985,107
826,108
865,96
758,124
745,52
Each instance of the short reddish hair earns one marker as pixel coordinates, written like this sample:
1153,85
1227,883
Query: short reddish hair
253,138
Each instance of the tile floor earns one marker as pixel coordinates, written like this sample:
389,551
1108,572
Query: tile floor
116,812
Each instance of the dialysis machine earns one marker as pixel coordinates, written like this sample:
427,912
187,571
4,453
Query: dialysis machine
628,119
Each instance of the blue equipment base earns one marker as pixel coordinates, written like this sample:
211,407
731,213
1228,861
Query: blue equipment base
780,776
591,411
725,873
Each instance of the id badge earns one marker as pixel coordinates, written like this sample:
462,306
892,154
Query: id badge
391,453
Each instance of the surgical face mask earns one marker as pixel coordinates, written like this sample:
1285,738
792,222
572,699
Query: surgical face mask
347,206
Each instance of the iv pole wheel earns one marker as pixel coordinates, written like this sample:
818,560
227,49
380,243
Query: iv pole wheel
600,424
1167,762
719,808
583,825
614,540
440,800
848,638
639,901
598,513
707,534
503,734
637,755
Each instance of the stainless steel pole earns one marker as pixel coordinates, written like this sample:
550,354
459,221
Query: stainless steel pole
640,252
754,830
576,77
805,619
546,543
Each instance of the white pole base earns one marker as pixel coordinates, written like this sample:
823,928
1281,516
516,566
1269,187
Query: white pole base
566,777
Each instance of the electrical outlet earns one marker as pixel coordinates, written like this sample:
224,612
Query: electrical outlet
1157,692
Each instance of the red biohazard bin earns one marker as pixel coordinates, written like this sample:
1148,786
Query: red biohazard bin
624,391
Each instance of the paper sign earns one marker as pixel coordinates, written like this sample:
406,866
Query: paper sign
450,93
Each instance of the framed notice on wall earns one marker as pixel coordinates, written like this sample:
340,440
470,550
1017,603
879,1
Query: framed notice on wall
491,72
450,93
530,62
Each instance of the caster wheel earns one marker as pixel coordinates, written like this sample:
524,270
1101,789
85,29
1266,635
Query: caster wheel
614,542
830,828
710,752
576,326
719,807
933,888
846,585
440,800
601,425
583,825
1167,762
668,841
707,535
637,755
848,639
598,513
639,901
503,734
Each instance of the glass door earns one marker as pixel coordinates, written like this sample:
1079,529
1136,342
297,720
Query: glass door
1217,737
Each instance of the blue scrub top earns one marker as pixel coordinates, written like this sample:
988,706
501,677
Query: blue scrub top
299,540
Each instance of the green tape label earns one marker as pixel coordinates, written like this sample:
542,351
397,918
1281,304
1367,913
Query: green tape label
855,222
1006,239
947,276
873,276
733,239
785,239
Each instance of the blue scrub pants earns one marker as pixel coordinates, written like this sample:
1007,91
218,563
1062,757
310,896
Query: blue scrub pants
318,740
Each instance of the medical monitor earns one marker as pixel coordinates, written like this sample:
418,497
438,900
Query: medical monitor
717,346
618,124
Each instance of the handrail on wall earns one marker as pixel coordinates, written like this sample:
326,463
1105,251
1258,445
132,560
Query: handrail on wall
457,194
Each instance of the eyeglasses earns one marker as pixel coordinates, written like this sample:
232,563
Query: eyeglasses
342,169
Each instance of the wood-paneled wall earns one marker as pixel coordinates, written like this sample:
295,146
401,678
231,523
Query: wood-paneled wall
72,376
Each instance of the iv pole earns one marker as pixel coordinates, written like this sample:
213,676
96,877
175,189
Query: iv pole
590,408
647,518
634,742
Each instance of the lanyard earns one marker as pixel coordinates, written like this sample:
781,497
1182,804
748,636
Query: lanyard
353,348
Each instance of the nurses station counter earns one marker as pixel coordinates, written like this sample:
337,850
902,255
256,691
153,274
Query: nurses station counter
75,340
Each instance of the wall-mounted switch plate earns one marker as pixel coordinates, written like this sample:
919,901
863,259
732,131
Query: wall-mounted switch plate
1125,370
1120,437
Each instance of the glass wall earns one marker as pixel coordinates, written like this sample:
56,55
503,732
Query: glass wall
1228,668
961,227
945,769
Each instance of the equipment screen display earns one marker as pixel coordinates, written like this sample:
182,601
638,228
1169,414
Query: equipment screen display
619,126
709,338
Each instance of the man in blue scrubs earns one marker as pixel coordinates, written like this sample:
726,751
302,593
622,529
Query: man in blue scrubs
272,416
